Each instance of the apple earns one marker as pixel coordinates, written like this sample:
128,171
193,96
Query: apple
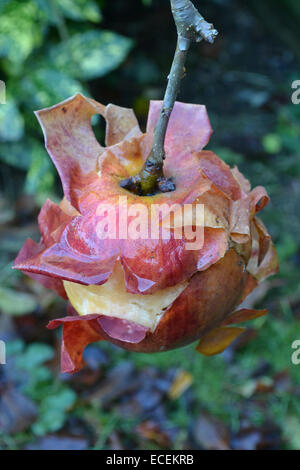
145,293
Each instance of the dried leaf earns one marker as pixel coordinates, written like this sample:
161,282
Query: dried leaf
210,433
244,315
181,383
78,332
218,340
17,412
152,431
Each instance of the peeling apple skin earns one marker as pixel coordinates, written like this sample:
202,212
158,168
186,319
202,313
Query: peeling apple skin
237,254
207,301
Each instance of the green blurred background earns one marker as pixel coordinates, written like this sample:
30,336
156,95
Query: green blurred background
120,51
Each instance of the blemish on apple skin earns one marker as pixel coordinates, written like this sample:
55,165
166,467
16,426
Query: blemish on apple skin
64,110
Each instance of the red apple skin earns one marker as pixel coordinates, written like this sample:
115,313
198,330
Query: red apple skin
218,278
210,297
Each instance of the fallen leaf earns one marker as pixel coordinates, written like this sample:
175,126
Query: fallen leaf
218,340
210,433
17,412
181,383
151,431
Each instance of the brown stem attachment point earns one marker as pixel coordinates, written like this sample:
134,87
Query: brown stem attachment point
191,27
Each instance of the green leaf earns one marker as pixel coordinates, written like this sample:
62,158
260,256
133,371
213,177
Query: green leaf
15,347
21,28
77,10
90,54
17,154
11,122
50,421
3,4
272,143
40,176
37,91
62,400
35,355
80,10
16,303
30,155
53,411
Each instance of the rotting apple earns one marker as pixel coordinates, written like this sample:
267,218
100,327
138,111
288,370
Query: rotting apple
145,295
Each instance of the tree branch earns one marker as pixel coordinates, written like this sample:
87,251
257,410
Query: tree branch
191,27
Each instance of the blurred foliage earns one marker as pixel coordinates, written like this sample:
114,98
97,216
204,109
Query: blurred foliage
35,379
48,49
13,304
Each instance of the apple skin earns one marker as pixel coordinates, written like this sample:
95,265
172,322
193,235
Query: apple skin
206,302
71,248
237,253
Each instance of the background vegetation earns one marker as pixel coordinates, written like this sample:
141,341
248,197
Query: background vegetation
120,52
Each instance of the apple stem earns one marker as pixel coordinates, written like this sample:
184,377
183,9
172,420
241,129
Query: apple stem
191,27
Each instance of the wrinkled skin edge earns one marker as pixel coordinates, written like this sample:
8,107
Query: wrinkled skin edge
249,237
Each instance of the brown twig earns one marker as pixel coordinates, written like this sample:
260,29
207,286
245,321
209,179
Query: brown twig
191,27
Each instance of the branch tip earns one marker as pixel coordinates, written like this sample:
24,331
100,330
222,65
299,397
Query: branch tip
191,27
